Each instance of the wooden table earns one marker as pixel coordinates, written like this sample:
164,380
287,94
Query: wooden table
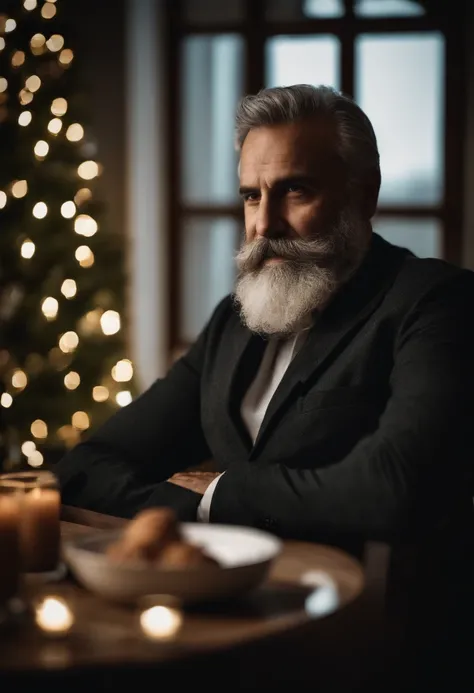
268,626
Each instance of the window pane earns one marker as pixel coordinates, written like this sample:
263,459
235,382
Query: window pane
207,11
302,60
294,10
207,270
212,86
399,84
388,8
422,236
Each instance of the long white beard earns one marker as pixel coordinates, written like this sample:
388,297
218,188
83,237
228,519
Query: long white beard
280,298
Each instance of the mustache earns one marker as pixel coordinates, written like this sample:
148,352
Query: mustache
297,251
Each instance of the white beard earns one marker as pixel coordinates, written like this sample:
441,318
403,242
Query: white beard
276,300
280,298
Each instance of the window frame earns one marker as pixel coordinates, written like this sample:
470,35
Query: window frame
255,30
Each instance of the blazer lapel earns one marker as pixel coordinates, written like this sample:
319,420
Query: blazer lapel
243,352
336,326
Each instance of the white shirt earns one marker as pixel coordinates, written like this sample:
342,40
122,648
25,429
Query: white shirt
277,357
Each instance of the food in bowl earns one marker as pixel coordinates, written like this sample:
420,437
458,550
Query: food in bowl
153,536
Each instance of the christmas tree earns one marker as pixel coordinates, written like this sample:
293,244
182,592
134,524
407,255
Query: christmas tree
63,362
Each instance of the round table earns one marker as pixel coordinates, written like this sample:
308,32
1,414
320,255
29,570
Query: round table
107,637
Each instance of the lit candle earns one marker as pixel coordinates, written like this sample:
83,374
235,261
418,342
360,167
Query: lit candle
39,503
53,616
9,548
160,616
40,530
160,622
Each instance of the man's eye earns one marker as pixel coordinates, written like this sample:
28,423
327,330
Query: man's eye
250,197
296,189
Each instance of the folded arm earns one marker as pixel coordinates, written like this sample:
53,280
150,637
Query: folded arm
123,467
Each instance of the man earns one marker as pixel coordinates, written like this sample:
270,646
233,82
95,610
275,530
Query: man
333,389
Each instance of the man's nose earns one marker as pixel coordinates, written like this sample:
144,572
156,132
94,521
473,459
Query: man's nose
269,220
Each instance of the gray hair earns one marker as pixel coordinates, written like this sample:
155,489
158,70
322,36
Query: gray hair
277,105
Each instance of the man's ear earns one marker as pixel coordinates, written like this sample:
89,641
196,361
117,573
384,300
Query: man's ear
370,189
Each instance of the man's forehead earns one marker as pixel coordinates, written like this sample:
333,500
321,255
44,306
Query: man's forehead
298,146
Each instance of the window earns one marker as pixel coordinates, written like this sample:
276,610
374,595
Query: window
400,59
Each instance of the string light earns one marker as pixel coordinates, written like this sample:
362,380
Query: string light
80,420
75,132
33,83
41,149
6,400
37,40
100,393
68,209
55,125
27,249
24,118
66,56
29,5
59,106
39,429
19,188
88,170
3,84
2,43
122,372
68,342
82,195
90,322
50,308
72,380
18,58
3,199
38,44
123,398
10,25
19,379
25,97
36,459
85,225
55,43
110,322
28,448
84,256
69,288
69,435
40,210
48,11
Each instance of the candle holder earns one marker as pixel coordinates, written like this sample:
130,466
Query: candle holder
38,500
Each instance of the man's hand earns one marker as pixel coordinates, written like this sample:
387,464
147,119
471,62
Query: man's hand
194,481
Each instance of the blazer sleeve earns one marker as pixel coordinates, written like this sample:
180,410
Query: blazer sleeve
123,467
404,474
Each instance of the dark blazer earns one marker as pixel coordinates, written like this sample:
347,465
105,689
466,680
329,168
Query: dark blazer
368,436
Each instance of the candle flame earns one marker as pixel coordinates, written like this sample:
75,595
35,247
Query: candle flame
53,615
160,622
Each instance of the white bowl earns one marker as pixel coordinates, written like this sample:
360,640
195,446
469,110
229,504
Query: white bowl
244,555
